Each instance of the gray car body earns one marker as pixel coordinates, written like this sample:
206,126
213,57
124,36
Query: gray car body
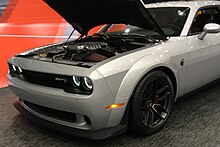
115,79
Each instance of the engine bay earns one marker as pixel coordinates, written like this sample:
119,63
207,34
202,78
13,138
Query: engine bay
91,49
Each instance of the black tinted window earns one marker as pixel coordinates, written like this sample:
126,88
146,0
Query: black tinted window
202,17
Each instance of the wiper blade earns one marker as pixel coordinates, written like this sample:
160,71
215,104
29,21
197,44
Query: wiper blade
148,38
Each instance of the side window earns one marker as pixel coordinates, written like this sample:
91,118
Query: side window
204,16
216,18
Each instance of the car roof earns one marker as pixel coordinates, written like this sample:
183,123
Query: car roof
190,4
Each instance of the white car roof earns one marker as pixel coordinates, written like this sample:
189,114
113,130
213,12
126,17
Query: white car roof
190,4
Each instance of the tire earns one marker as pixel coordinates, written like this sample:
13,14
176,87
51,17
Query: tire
151,103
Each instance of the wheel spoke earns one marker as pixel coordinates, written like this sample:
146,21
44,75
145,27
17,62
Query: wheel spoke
159,91
159,111
163,96
150,118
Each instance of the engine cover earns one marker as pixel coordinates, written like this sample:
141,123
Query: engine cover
89,46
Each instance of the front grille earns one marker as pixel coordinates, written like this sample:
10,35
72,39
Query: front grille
46,79
49,80
58,114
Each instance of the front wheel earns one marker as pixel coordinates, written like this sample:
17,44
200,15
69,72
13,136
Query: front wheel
151,103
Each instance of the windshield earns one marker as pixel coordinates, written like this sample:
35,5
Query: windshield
170,19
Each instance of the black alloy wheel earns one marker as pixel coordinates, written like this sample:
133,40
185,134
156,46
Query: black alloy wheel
151,103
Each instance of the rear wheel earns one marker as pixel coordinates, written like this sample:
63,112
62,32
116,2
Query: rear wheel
151,103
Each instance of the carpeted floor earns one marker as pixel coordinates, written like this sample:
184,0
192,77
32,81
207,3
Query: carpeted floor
195,121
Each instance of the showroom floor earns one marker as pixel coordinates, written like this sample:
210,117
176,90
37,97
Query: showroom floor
195,121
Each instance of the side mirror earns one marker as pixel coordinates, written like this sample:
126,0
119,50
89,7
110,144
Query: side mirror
209,28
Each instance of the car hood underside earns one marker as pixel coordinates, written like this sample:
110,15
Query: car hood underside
83,15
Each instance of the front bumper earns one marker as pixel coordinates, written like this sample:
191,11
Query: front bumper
91,106
96,135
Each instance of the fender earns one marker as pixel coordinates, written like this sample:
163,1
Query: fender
140,69
132,78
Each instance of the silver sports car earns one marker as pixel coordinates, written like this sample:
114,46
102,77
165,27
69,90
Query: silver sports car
125,76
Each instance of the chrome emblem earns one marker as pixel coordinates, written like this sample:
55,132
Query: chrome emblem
61,80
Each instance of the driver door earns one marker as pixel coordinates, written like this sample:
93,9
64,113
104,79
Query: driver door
204,57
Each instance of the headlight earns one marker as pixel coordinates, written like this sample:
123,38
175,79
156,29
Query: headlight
14,67
76,81
82,83
87,83
19,70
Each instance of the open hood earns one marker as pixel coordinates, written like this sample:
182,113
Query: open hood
83,15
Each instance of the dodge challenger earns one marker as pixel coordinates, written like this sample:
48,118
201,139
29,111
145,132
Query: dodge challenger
125,76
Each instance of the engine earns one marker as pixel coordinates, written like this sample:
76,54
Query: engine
84,51
89,51
85,46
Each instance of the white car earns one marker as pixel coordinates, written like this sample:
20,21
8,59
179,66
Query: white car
126,76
